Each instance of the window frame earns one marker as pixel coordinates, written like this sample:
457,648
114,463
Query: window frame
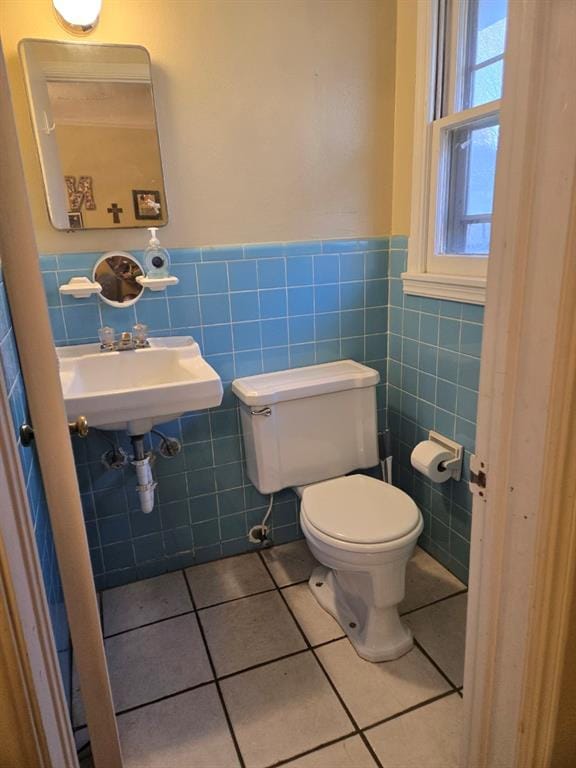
456,277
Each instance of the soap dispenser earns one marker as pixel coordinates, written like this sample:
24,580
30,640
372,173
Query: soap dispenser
156,259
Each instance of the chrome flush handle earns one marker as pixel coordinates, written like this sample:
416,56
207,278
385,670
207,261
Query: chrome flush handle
261,411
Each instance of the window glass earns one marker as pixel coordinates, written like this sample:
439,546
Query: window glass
472,164
486,38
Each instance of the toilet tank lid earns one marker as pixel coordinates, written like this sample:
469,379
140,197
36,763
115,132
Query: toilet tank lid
295,383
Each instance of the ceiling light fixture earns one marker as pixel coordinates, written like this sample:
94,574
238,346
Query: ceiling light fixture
78,16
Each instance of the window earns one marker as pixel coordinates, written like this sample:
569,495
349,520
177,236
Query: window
459,86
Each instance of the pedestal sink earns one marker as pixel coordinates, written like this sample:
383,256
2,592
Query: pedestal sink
137,389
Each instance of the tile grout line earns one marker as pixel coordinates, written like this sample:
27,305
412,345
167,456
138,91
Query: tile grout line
321,746
454,688
204,607
216,681
261,664
343,704
435,664
148,624
185,613
309,647
435,602
167,696
413,708
216,678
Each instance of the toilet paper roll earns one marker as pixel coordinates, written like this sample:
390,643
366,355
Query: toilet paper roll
427,458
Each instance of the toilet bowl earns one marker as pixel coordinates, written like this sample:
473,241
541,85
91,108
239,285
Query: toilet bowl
363,532
308,428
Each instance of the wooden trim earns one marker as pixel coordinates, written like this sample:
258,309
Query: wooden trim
550,652
526,299
469,289
20,735
42,380
424,95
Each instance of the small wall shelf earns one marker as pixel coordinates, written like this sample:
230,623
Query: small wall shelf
157,283
80,288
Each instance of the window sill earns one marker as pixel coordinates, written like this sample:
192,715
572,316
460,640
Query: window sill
469,290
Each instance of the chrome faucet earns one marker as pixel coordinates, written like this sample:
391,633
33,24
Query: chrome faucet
136,339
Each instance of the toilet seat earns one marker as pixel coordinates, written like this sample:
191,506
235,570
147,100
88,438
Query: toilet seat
359,510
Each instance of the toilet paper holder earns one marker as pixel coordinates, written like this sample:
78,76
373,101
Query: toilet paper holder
454,465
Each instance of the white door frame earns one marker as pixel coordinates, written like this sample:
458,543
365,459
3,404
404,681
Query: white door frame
523,357
36,687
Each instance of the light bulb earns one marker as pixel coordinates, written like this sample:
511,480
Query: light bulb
78,16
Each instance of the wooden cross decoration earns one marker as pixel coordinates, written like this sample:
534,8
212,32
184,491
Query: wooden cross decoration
115,210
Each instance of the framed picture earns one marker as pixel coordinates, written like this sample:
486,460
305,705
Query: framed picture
75,220
147,204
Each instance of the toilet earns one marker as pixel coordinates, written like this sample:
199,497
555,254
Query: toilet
308,429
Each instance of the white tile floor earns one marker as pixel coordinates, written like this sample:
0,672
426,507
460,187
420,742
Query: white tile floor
233,663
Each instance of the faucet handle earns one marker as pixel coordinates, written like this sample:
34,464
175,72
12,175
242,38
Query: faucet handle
107,336
140,335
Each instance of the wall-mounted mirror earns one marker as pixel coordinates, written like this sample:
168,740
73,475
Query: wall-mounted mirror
116,272
93,114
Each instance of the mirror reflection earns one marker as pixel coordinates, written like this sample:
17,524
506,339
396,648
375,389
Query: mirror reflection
93,112
117,272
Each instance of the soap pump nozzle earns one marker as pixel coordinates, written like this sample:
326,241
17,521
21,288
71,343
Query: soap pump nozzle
156,258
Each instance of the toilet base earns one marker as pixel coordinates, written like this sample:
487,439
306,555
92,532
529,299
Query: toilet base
378,635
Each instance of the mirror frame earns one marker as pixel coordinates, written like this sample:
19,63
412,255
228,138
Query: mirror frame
125,255
35,129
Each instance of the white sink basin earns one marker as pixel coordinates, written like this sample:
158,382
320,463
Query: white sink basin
136,389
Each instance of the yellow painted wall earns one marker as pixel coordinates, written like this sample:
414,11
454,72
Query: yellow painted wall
276,119
82,149
405,78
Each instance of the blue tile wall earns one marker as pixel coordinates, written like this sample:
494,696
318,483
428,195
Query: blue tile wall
264,307
10,370
252,308
433,373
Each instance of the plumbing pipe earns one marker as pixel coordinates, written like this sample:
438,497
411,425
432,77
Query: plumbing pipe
146,484
258,534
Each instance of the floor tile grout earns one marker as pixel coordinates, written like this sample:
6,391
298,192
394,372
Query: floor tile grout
149,624
420,705
314,749
166,696
435,602
416,643
309,648
218,678
435,664
263,664
326,675
274,588
235,599
217,683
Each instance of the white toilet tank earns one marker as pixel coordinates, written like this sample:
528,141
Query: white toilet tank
308,424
